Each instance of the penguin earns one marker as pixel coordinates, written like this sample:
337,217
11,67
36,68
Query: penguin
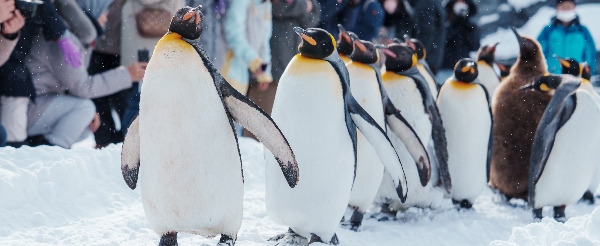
366,87
464,107
563,157
319,116
408,90
516,116
485,65
424,69
586,72
192,180
572,67
504,71
344,44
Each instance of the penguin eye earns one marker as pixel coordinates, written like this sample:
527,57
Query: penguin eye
544,87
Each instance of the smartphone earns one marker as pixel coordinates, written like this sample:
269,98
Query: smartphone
143,55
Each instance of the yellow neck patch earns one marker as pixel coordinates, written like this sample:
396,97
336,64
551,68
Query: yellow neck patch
585,81
544,87
172,40
388,77
333,41
414,60
462,85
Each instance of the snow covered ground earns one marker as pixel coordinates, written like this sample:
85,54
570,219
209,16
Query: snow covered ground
508,47
53,196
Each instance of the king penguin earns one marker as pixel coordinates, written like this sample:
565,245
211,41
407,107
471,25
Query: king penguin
572,67
344,44
316,110
485,64
516,116
464,107
419,49
563,156
192,179
408,91
366,87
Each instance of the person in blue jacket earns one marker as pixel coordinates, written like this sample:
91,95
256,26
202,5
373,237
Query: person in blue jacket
370,19
567,37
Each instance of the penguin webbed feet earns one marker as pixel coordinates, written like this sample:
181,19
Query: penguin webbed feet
588,198
464,204
316,239
559,214
226,240
289,238
168,239
355,221
537,214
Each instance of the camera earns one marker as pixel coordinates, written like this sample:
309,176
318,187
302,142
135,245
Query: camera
30,9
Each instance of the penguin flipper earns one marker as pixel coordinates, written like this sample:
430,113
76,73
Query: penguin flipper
490,141
382,145
557,113
407,134
130,154
253,118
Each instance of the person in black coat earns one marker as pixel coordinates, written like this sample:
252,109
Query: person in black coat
334,12
430,29
462,35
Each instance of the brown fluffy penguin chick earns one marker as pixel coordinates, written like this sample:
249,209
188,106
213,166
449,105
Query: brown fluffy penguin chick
516,117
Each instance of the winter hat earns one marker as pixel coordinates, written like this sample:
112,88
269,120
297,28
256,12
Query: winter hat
94,8
564,1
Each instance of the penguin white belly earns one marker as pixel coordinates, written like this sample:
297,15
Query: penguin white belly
465,112
369,170
587,86
309,109
488,78
191,179
573,158
403,92
430,80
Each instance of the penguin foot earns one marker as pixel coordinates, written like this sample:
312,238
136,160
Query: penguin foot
559,214
226,240
537,214
464,204
281,236
316,239
168,239
588,197
355,221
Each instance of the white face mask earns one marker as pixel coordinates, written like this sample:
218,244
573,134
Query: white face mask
566,16
461,9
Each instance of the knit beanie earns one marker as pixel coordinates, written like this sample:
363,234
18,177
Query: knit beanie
564,1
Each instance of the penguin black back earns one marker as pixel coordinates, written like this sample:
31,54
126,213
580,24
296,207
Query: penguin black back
399,57
344,42
465,70
569,66
188,22
487,53
317,43
364,51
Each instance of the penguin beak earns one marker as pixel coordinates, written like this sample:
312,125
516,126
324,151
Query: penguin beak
304,37
519,38
562,61
388,52
344,34
492,48
193,13
357,43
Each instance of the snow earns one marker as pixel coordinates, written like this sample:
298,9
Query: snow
53,196
508,47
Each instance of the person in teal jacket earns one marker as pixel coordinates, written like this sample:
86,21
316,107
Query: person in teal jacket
567,37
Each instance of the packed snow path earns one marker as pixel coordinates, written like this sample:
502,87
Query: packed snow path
53,196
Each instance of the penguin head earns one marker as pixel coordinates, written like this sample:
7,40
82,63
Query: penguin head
188,22
487,53
545,83
586,72
399,57
465,70
364,51
316,43
344,42
569,66
417,46
530,50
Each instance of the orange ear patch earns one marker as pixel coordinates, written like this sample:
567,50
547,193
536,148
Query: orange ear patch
465,69
308,39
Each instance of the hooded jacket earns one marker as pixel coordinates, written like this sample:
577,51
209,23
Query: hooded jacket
574,41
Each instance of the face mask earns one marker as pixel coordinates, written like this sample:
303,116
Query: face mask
461,9
566,16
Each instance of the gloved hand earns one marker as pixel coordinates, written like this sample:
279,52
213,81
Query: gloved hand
70,51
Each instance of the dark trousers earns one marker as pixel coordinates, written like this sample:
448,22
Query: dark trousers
107,133
133,107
